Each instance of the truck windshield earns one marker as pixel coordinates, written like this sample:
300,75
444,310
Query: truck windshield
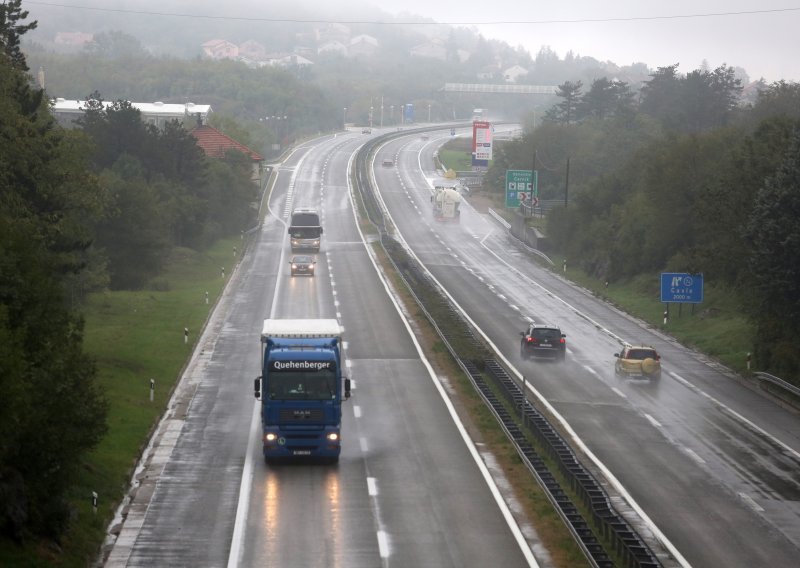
305,219
294,385
305,232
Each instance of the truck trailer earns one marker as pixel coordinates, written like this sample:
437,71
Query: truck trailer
446,202
301,389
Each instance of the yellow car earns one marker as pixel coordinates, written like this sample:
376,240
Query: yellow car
638,361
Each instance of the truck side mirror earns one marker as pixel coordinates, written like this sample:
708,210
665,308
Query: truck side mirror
257,388
346,388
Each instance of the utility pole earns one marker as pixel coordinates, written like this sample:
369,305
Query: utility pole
566,187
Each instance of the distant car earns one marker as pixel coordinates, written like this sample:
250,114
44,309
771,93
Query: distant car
543,340
366,131
302,265
387,163
638,361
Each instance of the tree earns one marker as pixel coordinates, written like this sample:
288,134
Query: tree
51,411
565,112
133,236
774,231
605,98
115,45
11,14
661,96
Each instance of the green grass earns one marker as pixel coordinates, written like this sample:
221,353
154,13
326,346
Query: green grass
133,336
715,327
456,155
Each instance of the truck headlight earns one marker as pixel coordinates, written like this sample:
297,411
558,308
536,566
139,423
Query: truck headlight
270,437
333,436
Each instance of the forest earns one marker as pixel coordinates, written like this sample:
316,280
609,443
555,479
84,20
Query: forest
679,177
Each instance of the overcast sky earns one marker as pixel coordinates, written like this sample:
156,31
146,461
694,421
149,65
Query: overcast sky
764,44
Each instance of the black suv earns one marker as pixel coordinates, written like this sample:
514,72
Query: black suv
541,340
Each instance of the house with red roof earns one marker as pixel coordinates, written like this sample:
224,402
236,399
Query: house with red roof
215,144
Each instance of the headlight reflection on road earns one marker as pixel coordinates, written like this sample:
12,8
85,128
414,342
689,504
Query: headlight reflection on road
335,536
272,510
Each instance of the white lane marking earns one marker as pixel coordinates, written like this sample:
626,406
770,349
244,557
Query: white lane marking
735,414
592,371
372,486
692,454
652,420
243,506
363,443
383,544
356,410
487,476
751,503
619,392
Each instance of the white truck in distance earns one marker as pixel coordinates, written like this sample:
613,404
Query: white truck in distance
446,202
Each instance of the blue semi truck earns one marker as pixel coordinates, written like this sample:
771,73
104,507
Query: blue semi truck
301,389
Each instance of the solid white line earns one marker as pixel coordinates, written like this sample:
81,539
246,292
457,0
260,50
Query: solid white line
653,421
372,487
487,476
736,415
243,506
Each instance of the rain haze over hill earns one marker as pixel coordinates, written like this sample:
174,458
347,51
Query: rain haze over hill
759,37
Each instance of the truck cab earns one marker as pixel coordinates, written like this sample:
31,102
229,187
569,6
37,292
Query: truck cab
305,230
301,389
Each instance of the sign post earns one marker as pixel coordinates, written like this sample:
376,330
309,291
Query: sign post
679,287
521,185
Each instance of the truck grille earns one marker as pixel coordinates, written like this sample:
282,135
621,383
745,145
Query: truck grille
300,415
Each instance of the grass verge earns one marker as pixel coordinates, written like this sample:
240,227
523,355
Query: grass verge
133,336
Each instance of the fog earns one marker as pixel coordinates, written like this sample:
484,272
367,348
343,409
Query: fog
760,37
764,44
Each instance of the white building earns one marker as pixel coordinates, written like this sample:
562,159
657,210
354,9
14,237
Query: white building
67,112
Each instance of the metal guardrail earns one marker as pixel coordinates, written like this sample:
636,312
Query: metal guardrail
779,382
476,360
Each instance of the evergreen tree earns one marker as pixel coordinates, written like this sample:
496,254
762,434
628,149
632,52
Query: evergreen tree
11,14
51,411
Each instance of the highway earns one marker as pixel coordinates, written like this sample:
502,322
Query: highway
409,489
709,466
713,466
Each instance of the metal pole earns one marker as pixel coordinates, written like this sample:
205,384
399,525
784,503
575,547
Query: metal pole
533,187
566,187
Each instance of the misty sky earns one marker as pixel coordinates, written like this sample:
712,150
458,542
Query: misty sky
765,45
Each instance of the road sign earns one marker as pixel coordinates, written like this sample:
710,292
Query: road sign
681,287
521,185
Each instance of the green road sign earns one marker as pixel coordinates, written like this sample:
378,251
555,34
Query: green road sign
521,185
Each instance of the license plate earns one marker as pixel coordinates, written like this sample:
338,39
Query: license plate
545,345
301,452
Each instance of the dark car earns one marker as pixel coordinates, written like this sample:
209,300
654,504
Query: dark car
302,265
541,340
